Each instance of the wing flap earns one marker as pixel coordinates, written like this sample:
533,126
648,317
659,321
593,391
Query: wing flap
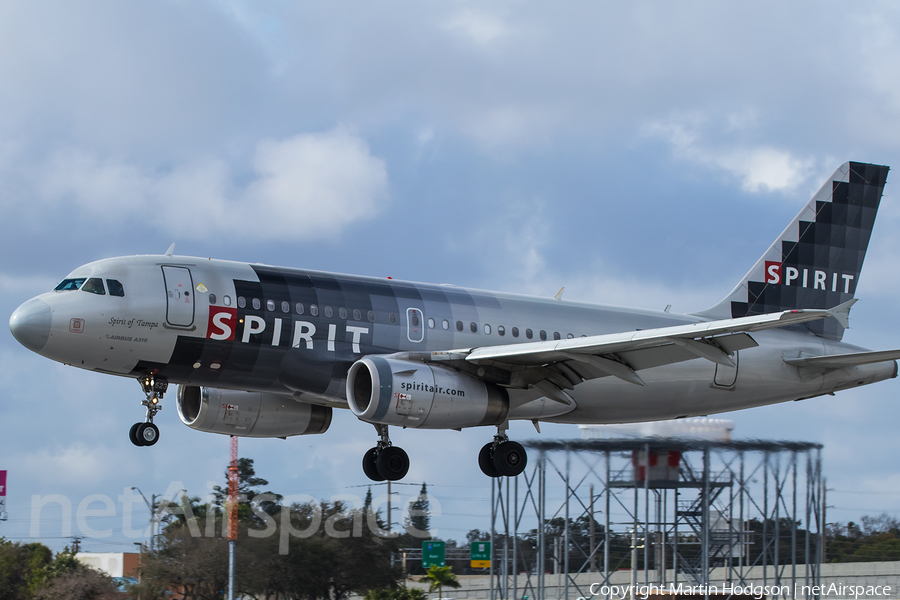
841,361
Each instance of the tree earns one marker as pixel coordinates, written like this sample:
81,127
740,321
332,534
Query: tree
80,584
247,484
21,568
395,594
418,522
65,578
438,577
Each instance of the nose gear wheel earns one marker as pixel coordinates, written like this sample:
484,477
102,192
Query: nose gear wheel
146,433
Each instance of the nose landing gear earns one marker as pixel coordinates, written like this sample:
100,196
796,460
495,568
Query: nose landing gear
385,461
146,433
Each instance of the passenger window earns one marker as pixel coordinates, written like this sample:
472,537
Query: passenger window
393,319
328,311
487,329
256,304
501,330
299,308
357,314
285,306
415,318
270,305
556,335
115,289
569,336
342,312
430,323
515,331
68,285
227,301
459,326
529,334
242,303
212,297
94,285
445,324
473,327
314,310
371,316
543,335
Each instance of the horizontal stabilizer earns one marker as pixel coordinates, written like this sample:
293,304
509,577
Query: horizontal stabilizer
841,361
841,312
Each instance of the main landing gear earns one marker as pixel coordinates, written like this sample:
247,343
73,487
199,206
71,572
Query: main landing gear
146,433
385,461
502,457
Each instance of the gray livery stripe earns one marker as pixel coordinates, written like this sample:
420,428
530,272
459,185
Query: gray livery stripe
385,379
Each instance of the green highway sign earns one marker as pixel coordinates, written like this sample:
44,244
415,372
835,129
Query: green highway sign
480,555
433,553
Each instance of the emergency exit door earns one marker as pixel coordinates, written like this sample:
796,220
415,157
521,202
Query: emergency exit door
179,296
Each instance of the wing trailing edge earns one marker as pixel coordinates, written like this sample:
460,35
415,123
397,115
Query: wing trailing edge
842,361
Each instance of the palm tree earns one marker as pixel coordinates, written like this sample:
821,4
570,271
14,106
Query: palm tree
438,577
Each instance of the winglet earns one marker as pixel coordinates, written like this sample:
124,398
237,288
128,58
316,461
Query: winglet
841,312
171,250
559,294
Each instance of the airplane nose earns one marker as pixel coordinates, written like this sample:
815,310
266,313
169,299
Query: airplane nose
30,324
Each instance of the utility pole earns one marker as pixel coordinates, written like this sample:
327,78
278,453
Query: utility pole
232,512
593,561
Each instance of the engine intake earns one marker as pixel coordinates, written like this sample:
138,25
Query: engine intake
249,414
392,391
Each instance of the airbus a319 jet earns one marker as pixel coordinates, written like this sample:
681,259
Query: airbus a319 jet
266,351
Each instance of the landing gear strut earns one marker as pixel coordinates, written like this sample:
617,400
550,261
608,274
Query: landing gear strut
502,457
385,461
146,433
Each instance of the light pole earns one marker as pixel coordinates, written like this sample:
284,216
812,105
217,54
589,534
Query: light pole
154,520
140,546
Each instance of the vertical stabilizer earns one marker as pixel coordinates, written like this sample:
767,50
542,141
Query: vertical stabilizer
816,261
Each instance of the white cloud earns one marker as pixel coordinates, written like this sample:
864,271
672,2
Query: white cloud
765,169
511,126
477,26
308,186
79,464
759,168
326,181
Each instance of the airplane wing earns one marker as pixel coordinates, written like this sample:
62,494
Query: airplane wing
841,361
565,363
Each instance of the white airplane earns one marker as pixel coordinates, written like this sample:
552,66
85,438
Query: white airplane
266,351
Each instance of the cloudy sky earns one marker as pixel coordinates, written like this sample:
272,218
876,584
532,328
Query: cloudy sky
636,153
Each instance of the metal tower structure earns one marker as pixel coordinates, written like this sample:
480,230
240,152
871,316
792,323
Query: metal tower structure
669,512
232,512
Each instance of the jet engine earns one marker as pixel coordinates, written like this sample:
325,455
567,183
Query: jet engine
392,391
249,414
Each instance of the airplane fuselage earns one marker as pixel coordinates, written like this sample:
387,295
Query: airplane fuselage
238,326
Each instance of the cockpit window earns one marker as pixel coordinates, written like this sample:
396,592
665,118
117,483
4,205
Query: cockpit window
69,284
94,285
116,289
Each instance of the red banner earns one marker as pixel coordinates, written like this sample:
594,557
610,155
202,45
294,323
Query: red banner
2,484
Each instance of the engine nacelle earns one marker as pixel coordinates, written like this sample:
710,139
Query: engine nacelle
392,391
249,414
